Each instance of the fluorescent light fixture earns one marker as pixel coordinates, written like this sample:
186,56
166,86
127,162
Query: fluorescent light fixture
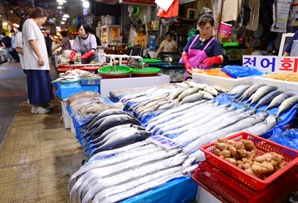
62,23
86,4
61,1
65,16
64,19
59,7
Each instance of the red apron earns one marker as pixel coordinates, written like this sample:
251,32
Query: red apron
196,57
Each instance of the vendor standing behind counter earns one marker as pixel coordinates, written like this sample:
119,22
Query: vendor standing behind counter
202,51
292,48
86,44
167,45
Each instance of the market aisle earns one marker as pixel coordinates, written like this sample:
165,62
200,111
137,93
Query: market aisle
37,158
37,155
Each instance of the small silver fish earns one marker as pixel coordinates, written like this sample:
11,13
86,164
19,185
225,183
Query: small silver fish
278,100
192,98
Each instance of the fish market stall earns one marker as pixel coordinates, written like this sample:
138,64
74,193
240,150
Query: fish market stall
166,124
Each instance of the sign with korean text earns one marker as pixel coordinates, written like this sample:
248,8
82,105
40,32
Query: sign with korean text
284,64
145,2
163,141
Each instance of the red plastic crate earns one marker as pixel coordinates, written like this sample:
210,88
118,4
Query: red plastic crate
228,189
263,146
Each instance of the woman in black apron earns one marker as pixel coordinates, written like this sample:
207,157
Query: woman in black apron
86,44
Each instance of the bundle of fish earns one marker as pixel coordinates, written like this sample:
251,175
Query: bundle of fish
195,124
75,74
111,129
261,95
115,175
155,101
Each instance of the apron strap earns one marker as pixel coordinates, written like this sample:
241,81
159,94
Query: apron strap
193,41
207,45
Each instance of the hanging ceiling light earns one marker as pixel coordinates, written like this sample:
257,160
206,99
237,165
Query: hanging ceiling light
62,22
59,7
86,4
64,19
61,1
65,16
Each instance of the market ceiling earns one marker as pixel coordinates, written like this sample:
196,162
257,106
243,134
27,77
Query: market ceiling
20,7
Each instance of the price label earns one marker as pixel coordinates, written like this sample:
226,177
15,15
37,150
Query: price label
164,142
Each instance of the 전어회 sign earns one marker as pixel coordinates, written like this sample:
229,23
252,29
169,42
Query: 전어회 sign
273,64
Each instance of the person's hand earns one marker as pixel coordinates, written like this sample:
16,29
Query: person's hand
212,60
72,55
40,61
87,55
187,65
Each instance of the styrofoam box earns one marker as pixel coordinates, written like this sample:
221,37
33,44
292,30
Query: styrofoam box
227,83
107,85
66,117
288,87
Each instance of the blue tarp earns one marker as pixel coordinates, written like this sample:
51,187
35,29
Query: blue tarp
65,91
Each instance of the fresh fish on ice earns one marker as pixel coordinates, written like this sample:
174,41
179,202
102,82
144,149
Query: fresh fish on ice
192,98
238,88
262,128
261,92
268,98
239,126
250,91
187,92
98,185
211,90
278,100
287,104
206,95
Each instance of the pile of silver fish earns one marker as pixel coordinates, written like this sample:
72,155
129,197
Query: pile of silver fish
111,129
196,124
160,99
261,95
114,175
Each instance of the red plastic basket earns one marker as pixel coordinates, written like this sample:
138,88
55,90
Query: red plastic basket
228,189
263,146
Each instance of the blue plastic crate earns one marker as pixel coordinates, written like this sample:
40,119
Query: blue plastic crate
90,81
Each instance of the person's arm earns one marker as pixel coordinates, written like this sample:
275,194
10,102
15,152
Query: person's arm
93,47
58,46
159,49
216,56
286,54
34,47
20,50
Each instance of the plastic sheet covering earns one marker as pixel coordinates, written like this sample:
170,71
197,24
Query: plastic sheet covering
178,190
64,92
236,71
287,138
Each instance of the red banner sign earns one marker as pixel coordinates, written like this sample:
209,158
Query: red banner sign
144,2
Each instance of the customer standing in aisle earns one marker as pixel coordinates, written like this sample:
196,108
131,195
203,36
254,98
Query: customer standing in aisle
86,44
13,52
6,43
65,43
203,50
36,63
292,48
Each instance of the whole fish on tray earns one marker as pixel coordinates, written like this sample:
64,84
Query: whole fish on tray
278,100
287,104
268,98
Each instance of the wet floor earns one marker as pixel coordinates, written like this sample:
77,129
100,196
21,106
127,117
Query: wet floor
37,157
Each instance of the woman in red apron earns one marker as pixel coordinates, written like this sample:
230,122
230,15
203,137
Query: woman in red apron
203,50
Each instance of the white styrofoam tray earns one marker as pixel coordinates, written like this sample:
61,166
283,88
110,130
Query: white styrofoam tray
227,83
107,85
288,87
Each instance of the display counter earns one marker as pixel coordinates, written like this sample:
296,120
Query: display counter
174,70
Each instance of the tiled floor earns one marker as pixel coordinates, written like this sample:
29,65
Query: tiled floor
37,158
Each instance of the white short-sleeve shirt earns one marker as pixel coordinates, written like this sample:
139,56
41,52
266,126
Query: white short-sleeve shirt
32,32
19,44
